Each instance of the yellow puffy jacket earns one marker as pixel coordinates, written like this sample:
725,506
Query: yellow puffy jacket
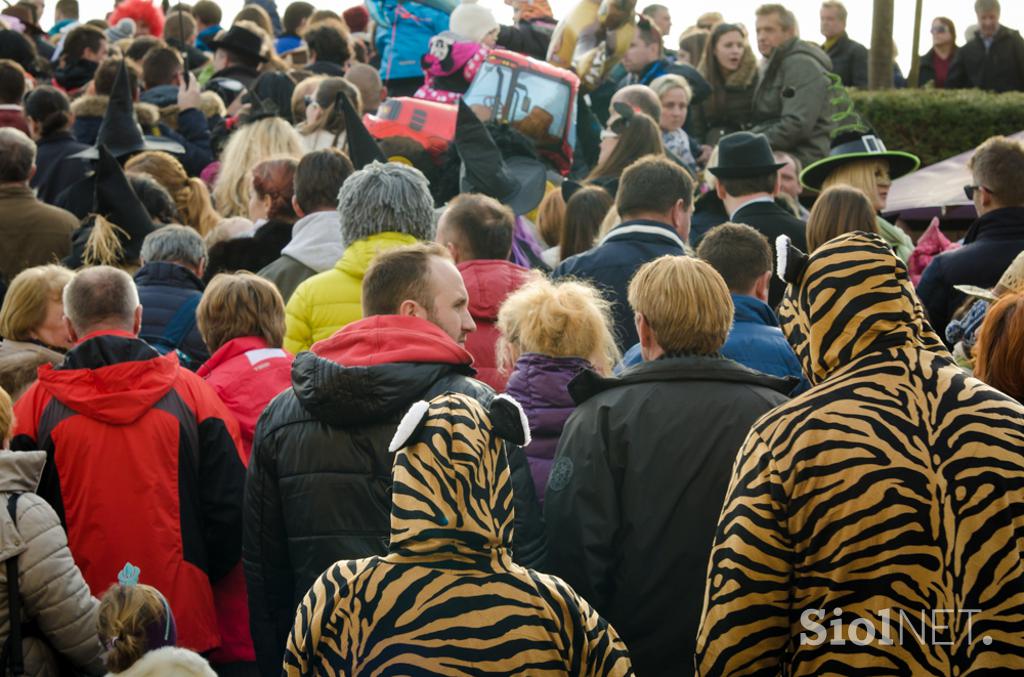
326,302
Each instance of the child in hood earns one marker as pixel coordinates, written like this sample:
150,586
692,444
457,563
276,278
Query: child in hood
454,56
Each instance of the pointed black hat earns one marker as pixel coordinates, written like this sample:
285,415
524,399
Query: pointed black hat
518,182
120,131
362,147
116,203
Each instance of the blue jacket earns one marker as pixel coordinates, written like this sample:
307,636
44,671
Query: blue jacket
404,30
755,341
208,34
163,287
612,264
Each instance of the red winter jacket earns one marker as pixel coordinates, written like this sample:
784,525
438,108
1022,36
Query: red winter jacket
142,467
246,374
489,282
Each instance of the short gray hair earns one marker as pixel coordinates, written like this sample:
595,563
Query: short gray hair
839,7
787,20
177,244
17,155
101,295
384,197
983,6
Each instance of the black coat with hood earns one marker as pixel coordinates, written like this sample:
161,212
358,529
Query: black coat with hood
634,494
319,481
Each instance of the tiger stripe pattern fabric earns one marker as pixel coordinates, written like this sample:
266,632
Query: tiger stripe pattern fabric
873,525
447,598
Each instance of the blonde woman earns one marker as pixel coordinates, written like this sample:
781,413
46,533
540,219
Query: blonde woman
190,194
247,147
32,326
550,332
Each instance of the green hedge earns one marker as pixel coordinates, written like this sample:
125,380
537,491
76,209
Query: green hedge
937,123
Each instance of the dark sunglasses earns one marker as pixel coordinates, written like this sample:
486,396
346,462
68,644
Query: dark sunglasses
939,29
969,191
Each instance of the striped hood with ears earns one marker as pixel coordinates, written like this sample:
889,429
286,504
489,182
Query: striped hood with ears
452,491
853,296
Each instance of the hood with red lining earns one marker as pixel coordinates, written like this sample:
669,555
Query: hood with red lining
111,377
373,369
488,283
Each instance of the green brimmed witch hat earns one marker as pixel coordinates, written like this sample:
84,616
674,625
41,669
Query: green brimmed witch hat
854,140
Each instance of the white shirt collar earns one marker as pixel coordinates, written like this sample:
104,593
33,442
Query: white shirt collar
766,198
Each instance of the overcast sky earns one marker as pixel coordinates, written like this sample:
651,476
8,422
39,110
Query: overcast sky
685,14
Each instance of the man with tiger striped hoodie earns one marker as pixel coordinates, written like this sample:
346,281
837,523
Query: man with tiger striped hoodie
447,597
873,523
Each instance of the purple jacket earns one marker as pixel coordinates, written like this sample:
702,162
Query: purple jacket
540,384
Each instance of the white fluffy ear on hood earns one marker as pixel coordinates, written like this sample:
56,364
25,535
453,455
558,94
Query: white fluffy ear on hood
411,422
509,420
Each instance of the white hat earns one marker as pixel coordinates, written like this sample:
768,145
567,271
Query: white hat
471,21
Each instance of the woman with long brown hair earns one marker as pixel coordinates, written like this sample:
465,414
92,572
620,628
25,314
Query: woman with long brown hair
584,213
730,68
629,137
840,209
190,194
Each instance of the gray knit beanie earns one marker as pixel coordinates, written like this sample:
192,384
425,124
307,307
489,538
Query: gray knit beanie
384,197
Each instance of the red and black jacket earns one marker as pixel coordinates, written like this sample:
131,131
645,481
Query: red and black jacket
143,466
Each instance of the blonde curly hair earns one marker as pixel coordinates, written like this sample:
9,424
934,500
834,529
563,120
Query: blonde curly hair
247,147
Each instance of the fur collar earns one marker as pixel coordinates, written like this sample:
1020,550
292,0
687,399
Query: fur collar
94,106
169,661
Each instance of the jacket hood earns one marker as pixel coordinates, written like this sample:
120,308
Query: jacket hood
371,370
451,489
488,283
854,297
168,274
111,377
358,255
169,661
161,96
750,309
682,368
316,241
95,105
798,46
20,471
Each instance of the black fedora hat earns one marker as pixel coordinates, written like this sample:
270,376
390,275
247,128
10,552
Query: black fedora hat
241,40
120,131
742,155
518,182
362,147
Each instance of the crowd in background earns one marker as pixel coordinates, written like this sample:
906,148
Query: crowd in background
324,352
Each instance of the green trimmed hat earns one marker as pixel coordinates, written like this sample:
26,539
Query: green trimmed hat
849,148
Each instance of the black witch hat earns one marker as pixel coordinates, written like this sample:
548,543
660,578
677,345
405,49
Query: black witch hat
120,131
362,147
120,222
518,182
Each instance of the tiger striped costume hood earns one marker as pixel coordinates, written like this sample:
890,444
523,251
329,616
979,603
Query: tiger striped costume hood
885,501
853,296
447,597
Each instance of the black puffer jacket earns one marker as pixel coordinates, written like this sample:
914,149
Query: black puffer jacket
319,482
636,489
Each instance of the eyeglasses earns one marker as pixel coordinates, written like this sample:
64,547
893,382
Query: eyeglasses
939,29
969,191
607,134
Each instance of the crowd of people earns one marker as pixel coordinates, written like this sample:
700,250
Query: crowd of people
293,382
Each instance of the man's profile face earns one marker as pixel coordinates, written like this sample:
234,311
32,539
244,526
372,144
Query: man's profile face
770,33
789,182
639,55
663,20
450,311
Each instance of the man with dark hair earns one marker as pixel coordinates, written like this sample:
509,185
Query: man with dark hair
993,59
161,77
180,33
477,230
654,200
330,48
748,180
143,459
325,441
33,233
12,95
208,16
849,58
294,22
142,46
85,48
791,102
316,243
